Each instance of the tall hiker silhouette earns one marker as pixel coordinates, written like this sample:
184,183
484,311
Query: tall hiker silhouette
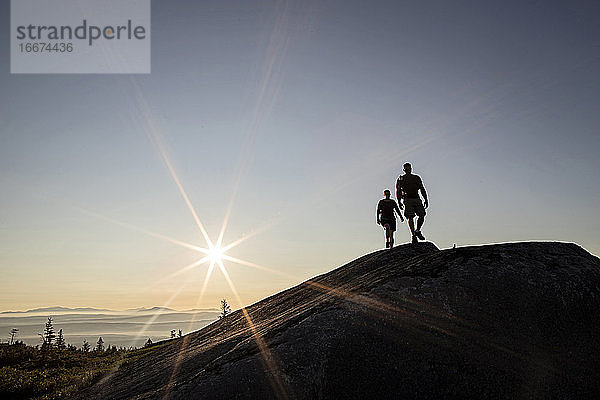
407,189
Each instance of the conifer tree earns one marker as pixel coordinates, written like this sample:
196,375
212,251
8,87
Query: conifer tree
225,308
99,345
60,341
49,335
86,346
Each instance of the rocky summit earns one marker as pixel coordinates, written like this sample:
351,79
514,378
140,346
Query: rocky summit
506,321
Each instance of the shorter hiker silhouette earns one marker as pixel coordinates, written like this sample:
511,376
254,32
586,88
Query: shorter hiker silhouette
407,189
387,218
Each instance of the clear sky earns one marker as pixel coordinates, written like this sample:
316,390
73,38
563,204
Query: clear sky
302,113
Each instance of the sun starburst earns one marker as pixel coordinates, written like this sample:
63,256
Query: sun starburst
215,254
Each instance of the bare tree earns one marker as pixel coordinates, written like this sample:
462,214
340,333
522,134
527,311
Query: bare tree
13,333
225,309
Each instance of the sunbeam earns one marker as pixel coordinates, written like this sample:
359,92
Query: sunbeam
269,360
255,232
155,137
186,338
256,266
188,267
225,222
205,283
144,231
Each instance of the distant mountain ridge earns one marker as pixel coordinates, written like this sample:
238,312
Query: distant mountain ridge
144,309
91,309
57,309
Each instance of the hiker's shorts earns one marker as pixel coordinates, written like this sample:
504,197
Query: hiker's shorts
413,207
390,222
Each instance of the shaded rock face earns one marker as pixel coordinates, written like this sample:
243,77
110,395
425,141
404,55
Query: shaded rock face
518,320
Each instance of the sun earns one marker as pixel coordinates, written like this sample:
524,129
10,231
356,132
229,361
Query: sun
215,254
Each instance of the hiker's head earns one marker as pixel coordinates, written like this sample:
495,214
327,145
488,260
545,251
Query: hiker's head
386,193
407,168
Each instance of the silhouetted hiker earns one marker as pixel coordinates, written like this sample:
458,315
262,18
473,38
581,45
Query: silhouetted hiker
407,189
387,218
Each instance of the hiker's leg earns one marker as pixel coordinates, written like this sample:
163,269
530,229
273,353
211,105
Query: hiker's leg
386,229
420,221
411,225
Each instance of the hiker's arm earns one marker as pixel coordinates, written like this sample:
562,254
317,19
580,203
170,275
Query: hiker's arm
377,216
398,211
399,193
424,193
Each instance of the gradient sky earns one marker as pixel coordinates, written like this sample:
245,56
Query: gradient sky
309,109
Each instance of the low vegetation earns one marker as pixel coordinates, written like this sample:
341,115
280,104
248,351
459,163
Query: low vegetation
31,372
55,368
